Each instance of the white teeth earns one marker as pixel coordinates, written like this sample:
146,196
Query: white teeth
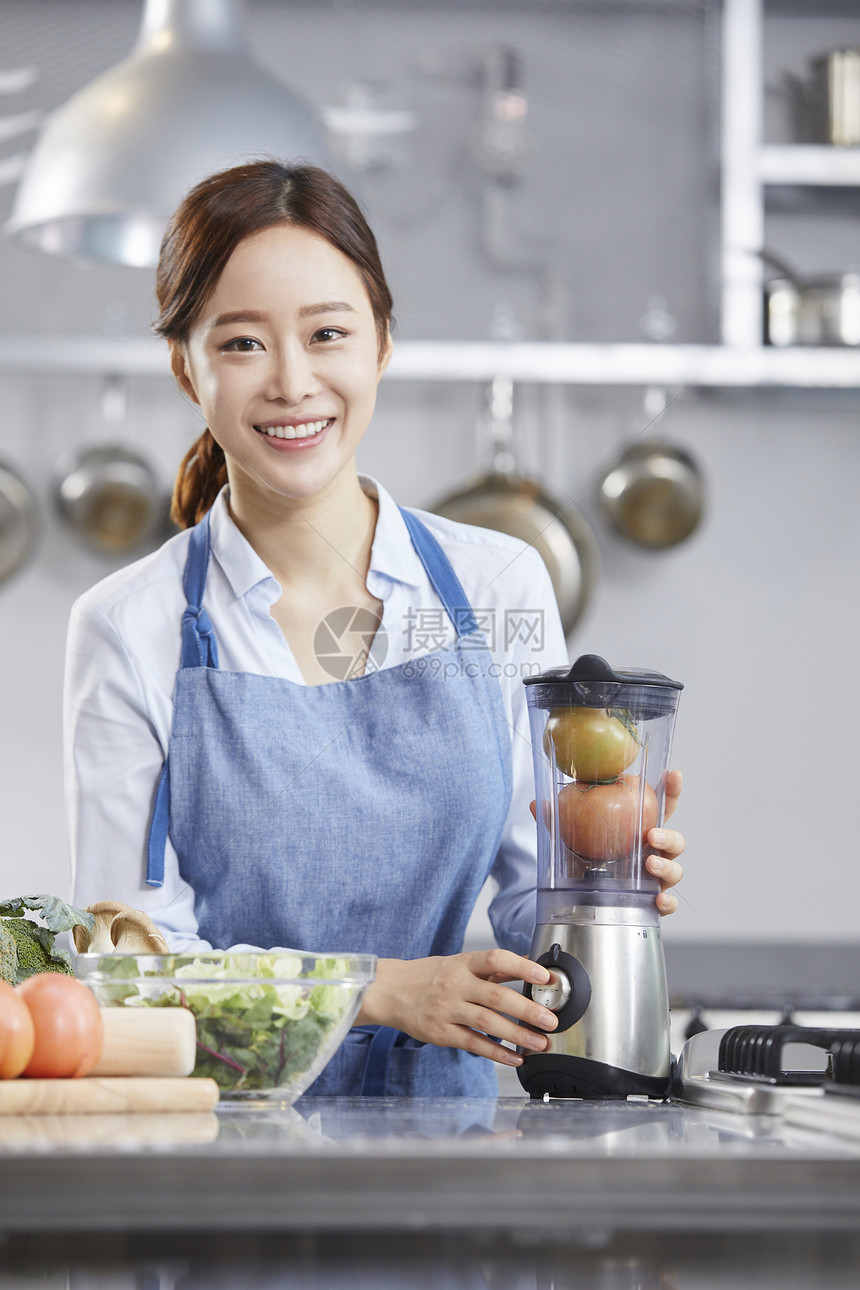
296,432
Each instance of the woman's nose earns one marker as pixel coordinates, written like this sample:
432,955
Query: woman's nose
291,376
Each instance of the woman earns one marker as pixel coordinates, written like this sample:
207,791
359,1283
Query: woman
295,809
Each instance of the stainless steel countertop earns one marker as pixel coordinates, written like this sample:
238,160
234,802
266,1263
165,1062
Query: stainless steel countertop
411,1165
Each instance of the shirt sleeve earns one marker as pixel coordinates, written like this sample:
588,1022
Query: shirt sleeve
512,908
113,757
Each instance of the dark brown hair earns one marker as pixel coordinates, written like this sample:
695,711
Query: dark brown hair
218,214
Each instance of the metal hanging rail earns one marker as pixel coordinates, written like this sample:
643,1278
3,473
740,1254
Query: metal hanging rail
540,363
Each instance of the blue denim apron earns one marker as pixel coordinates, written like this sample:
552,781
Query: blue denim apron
361,816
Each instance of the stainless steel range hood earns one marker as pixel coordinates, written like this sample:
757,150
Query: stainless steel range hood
114,161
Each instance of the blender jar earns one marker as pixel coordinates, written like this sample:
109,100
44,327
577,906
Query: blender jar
601,741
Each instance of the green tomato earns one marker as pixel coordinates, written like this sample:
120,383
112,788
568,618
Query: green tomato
590,744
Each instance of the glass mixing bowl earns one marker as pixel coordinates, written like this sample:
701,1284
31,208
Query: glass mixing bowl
267,1023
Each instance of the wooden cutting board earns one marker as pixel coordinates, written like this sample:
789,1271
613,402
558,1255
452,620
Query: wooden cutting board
96,1094
128,1129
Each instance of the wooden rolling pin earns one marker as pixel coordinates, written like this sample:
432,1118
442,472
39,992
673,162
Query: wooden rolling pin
24,1096
147,1041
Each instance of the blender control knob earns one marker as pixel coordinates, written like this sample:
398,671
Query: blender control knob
556,993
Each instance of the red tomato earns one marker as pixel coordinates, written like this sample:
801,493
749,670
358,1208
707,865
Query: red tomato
16,1033
68,1022
599,821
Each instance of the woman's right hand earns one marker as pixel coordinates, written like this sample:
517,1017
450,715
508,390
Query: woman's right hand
461,1001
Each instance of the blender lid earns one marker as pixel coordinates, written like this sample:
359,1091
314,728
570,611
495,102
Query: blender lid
591,669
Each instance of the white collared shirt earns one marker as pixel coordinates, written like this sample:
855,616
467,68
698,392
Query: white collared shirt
123,653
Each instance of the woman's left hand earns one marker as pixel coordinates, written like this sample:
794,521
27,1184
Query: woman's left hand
667,845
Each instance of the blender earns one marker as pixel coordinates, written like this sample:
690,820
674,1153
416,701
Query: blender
601,740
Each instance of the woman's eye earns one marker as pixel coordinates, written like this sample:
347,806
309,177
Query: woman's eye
242,345
328,334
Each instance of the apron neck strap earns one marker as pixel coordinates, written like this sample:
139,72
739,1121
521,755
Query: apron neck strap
199,648
438,568
198,636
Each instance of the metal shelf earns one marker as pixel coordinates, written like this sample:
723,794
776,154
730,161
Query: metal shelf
812,164
750,167
740,361
714,366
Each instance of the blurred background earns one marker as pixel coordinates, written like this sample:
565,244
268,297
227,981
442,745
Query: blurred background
572,200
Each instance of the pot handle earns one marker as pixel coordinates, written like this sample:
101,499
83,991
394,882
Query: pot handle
782,266
114,403
500,418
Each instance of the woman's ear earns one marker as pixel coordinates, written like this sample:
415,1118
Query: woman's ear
385,355
179,367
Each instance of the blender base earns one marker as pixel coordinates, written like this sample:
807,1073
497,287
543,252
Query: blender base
562,1076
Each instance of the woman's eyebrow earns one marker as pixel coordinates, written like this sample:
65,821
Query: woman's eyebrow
254,315
239,316
327,307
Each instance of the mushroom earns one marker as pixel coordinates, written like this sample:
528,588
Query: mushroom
134,933
99,940
119,927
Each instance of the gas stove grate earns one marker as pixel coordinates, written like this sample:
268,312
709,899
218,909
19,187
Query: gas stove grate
759,1053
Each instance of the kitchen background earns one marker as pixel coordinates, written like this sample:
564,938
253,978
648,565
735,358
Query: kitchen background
602,225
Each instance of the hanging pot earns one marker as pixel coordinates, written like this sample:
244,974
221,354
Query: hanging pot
109,495
19,522
110,499
824,310
827,103
653,494
511,503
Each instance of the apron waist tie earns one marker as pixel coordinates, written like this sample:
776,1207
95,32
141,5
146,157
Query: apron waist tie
374,1081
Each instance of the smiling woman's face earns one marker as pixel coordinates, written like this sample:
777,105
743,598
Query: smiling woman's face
284,362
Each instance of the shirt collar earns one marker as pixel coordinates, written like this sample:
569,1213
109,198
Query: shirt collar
239,562
392,554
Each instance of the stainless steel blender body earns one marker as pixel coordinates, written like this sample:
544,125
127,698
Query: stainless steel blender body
620,1044
601,742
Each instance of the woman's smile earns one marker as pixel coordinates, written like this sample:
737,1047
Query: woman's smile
295,436
296,429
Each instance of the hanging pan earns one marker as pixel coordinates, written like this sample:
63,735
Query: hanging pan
19,522
109,494
511,503
653,492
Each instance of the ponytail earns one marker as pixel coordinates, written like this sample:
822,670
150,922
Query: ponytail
201,476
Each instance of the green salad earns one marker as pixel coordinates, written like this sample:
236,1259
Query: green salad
259,1033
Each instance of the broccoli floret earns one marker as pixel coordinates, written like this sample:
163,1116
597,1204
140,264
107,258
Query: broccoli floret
33,944
8,955
32,956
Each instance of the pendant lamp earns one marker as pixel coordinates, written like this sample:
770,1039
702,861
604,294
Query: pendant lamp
112,163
